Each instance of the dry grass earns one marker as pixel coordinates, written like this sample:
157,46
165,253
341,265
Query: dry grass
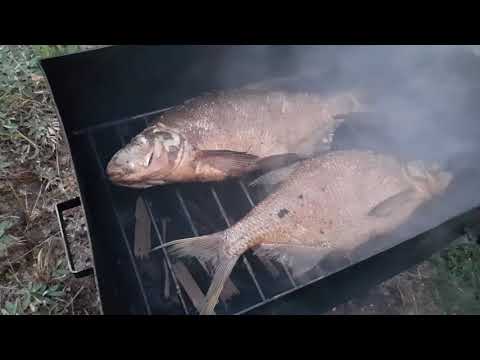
35,174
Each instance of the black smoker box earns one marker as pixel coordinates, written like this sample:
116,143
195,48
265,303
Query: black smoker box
104,97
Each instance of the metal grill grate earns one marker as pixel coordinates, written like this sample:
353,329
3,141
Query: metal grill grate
252,274
105,86
259,281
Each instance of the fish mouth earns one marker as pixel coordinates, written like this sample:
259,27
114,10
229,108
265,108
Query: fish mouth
118,177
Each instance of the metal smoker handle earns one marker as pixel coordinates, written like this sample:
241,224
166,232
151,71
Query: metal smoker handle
59,209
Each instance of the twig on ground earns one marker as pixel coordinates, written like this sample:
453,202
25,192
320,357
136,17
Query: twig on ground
72,300
33,248
26,206
12,270
36,200
7,287
37,151
58,164
20,203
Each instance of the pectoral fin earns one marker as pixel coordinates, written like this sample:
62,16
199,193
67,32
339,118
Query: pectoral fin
389,205
278,161
233,163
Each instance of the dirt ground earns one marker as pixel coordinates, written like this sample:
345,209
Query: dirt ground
36,174
407,293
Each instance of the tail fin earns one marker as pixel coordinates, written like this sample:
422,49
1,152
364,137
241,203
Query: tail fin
222,271
207,248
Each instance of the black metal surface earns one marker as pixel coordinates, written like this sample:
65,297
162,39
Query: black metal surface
104,97
59,209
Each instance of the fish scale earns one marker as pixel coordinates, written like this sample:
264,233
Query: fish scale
232,113
333,202
247,130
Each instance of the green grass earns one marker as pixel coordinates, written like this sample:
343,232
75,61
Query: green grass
456,283
33,274
28,120
5,239
27,116
34,298
46,51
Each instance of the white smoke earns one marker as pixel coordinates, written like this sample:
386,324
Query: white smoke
423,89
427,93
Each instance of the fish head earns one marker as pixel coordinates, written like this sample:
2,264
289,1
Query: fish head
148,159
430,178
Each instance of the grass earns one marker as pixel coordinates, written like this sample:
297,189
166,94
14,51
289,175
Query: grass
35,174
46,51
5,239
456,282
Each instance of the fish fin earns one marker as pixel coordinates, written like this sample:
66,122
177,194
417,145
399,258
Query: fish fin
207,248
278,161
300,259
388,206
222,272
274,177
229,290
319,141
232,163
193,290
189,284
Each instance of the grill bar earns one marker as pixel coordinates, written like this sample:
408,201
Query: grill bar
278,296
169,264
190,221
245,260
252,204
195,232
186,212
162,241
165,265
122,230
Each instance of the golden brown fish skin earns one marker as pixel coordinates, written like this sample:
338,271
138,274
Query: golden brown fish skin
251,122
333,202
326,200
262,123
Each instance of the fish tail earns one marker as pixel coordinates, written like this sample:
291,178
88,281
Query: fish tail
222,272
207,248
